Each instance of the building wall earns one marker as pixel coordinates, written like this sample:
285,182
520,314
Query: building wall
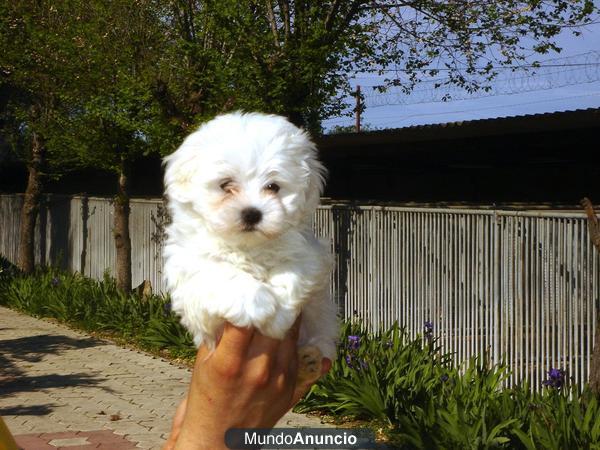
550,167
540,159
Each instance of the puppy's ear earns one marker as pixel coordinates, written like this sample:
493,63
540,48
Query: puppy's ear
180,168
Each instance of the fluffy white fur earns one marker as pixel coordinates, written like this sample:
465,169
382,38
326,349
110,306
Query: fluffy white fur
218,267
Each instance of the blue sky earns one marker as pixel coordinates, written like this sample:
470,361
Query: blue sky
576,96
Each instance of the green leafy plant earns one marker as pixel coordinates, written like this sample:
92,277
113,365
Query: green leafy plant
98,306
423,399
430,402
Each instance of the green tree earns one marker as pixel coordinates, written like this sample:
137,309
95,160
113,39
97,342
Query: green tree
594,232
98,83
290,58
114,118
33,77
80,77
297,57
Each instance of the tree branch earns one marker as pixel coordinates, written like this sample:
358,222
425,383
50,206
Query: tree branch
284,8
593,225
335,6
272,22
348,17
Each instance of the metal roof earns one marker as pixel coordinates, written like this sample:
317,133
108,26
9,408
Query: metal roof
531,123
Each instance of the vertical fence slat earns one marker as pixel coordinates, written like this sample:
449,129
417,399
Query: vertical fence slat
521,285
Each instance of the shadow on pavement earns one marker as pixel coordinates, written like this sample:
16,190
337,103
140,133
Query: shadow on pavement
22,410
34,348
20,354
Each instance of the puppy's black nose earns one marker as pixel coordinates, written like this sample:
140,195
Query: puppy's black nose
251,216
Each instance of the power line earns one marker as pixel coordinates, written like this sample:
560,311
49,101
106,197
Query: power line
397,117
445,69
581,69
535,102
493,68
537,67
566,71
412,116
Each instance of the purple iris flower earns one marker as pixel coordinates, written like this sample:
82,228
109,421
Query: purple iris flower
428,327
349,361
351,357
555,374
353,342
428,330
556,378
55,281
356,363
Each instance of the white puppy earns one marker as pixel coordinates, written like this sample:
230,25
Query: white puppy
242,192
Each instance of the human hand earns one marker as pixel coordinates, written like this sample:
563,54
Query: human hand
249,381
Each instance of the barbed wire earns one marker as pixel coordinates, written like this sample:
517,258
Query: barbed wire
404,117
551,74
395,118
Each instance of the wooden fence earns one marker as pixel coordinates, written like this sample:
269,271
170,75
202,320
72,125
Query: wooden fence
522,286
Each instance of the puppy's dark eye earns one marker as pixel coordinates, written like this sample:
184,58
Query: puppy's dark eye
273,187
226,185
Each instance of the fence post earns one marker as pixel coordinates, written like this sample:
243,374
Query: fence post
497,283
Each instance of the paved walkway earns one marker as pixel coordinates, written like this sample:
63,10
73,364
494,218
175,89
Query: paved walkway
63,389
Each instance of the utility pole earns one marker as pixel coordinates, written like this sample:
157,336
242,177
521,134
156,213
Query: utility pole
358,109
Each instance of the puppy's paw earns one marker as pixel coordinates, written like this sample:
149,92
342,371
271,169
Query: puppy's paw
287,287
309,364
260,305
246,302
280,323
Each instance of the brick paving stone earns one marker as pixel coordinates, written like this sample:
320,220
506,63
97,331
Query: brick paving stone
126,427
103,439
33,425
29,442
76,447
69,442
60,380
145,440
61,435
116,447
103,436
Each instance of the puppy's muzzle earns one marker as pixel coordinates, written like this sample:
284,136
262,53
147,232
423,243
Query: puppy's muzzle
250,218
